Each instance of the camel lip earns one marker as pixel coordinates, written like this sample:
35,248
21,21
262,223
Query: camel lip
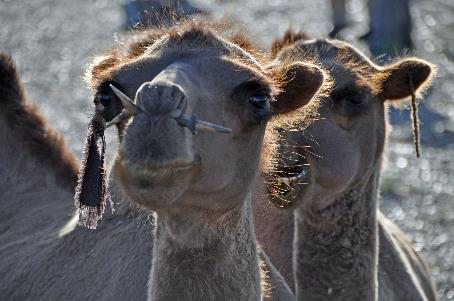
285,185
296,175
151,166
151,171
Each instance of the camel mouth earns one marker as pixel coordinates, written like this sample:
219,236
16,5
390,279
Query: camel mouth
147,174
284,185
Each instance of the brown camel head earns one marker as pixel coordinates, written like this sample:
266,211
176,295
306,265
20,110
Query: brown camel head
172,74
340,150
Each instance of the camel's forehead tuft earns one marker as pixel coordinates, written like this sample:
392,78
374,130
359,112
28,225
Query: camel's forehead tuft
187,35
195,34
289,38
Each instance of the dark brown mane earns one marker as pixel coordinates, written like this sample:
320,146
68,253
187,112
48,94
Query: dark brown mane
243,42
45,144
189,31
287,39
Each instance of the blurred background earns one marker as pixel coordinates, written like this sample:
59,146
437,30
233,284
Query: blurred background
52,42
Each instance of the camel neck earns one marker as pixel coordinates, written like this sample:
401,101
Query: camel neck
200,258
336,247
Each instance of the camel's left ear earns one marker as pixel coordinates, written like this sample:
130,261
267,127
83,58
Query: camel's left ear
299,83
406,77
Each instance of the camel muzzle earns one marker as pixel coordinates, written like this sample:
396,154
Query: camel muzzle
191,122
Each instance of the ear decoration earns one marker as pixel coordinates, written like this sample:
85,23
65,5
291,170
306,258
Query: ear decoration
415,119
91,189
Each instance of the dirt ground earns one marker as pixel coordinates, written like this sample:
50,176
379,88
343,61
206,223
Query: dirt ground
52,42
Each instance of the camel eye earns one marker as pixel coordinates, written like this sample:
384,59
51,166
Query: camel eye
349,96
104,99
355,100
110,105
260,101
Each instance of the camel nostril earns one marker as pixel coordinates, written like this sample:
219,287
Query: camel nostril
160,98
177,92
180,108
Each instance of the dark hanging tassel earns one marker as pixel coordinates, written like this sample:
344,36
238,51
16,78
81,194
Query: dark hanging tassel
415,119
91,190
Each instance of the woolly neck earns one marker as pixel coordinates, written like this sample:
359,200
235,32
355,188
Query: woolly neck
336,248
216,260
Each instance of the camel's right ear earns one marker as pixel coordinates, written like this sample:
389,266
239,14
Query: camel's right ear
406,77
299,83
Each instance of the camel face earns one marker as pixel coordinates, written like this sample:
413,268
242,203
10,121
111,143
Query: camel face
161,163
335,153
159,159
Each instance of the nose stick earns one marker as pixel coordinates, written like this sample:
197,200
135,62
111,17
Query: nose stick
194,125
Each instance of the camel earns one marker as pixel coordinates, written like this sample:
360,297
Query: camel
203,245
344,248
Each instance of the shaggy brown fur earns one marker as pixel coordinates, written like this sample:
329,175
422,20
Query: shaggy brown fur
135,45
287,39
31,129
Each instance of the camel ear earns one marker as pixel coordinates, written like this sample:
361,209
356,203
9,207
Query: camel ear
300,82
406,77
